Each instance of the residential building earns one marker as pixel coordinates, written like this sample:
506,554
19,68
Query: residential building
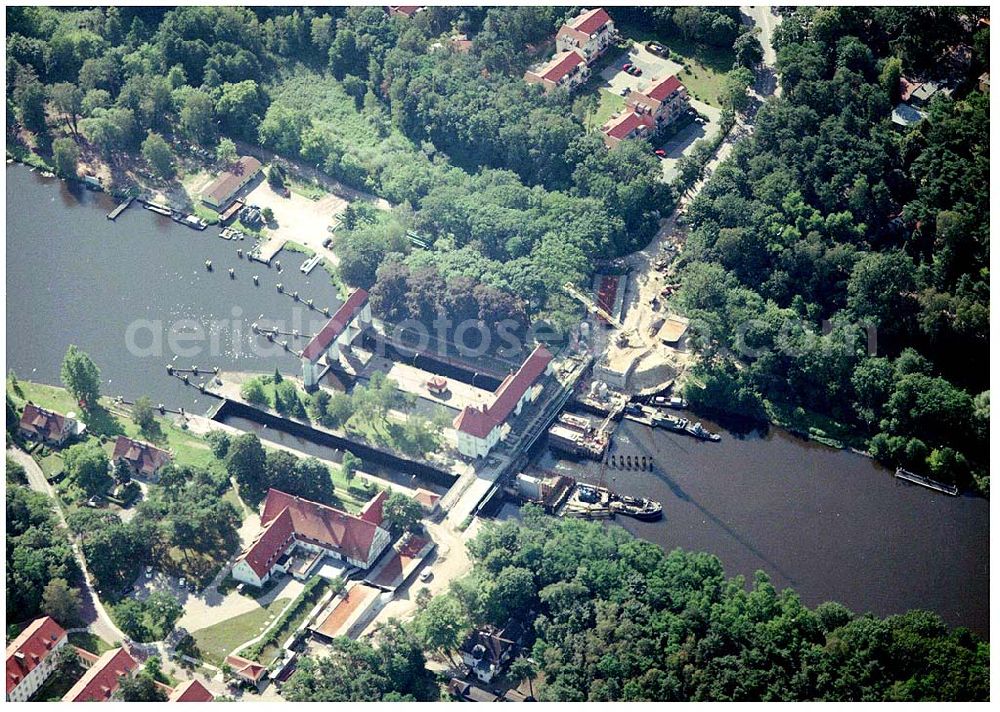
247,670
191,691
103,678
295,526
626,125
31,659
480,429
406,11
37,423
429,501
467,692
590,33
647,112
347,323
565,70
224,188
142,459
487,651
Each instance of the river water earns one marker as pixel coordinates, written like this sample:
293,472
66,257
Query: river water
135,294
829,523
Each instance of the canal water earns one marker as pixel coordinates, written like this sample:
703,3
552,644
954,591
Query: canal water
135,294
829,523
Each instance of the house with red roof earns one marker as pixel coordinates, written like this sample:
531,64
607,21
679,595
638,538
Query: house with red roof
293,526
103,678
565,70
343,328
480,429
590,33
191,691
142,459
647,111
247,670
30,658
37,423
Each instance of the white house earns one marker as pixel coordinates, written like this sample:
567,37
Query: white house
479,430
30,658
293,525
590,33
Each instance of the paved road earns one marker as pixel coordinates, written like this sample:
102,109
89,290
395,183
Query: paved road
765,20
98,621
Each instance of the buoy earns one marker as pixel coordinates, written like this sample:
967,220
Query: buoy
277,265
295,296
163,408
326,311
239,253
281,287
186,380
215,369
232,273
208,265
194,370
309,303
256,280
170,370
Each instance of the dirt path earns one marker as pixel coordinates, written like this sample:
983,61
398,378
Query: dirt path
92,611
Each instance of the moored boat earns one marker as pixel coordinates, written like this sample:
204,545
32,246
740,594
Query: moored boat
699,431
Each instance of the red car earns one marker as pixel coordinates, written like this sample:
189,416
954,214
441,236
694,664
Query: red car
627,66
660,152
635,71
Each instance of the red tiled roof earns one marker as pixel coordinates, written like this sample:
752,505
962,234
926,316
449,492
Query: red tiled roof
87,656
626,124
356,596
191,691
372,511
34,644
563,67
479,423
230,180
39,421
336,326
590,22
142,456
665,88
426,499
103,678
246,668
286,516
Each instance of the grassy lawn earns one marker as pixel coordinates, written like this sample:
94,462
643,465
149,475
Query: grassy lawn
90,643
610,103
205,213
304,604
217,641
309,190
52,465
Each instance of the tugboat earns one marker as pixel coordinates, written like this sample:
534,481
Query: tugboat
669,422
645,510
698,431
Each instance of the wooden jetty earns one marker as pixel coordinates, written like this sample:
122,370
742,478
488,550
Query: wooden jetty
121,208
927,482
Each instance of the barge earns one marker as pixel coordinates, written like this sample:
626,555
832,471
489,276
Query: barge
565,497
576,436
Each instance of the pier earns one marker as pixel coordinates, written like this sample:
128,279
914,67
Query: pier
122,207
906,475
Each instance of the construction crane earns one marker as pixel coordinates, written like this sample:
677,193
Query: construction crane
591,305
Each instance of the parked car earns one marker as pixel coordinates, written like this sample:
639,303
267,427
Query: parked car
636,71
660,152
327,242
182,583
149,572
658,49
426,575
624,91
627,66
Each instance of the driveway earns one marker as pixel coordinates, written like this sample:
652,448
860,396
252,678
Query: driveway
682,143
653,68
210,607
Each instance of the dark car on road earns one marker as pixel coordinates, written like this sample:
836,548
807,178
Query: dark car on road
658,49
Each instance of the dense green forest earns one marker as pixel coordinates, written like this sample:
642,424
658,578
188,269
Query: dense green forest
616,618
845,260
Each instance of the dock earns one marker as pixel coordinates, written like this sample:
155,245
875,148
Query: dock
121,208
310,264
950,490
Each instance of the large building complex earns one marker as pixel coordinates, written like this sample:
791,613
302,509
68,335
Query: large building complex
579,43
224,188
480,429
295,526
